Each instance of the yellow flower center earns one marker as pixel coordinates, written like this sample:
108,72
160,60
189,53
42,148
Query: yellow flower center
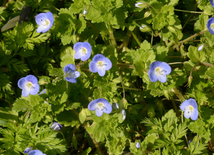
212,26
29,85
100,106
100,64
83,51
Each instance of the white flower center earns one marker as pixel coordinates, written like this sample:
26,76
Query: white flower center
70,74
83,51
159,71
100,106
29,85
45,22
212,26
189,110
101,64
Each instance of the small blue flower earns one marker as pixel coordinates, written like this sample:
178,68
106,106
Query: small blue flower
212,2
158,71
29,85
210,25
56,126
83,50
100,64
45,21
100,105
190,109
36,152
27,150
70,73
137,145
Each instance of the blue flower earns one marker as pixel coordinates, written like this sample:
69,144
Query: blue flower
29,85
211,1
27,150
137,145
56,126
158,71
36,152
100,105
100,64
210,25
190,109
45,21
83,50
70,73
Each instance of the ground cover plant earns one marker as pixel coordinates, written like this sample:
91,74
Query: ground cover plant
106,77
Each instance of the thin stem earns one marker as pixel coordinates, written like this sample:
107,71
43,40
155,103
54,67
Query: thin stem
111,34
189,38
188,11
178,94
135,37
63,137
124,93
182,120
175,63
175,107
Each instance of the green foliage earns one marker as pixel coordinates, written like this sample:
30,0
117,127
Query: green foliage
132,38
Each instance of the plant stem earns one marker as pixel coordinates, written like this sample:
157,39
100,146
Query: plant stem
135,37
188,11
189,38
111,34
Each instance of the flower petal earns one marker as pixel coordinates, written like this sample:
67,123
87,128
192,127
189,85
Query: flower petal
194,115
108,63
92,105
21,83
152,76
72,80
187,115
25,92
184,105
35,152
209,25
93,67
69,67
162,78
76,74
31,78
101,72
99,112
166,67
34,90
50,16
77,46
40,18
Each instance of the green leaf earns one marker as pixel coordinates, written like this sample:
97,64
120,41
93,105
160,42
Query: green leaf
67,56
82,116
201,23
195,55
